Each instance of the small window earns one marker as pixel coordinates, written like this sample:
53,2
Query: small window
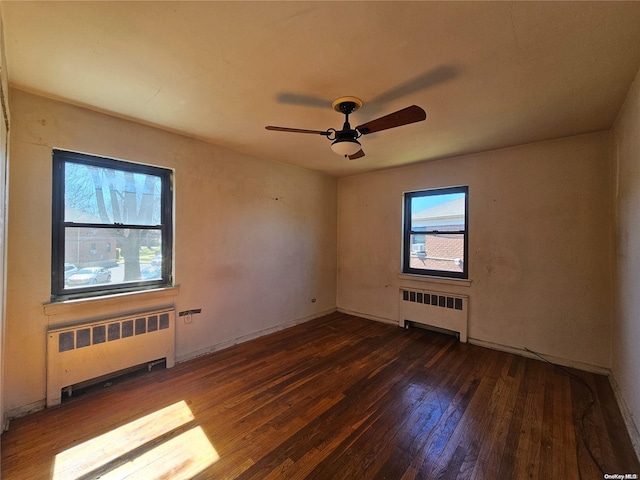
435,232
99,202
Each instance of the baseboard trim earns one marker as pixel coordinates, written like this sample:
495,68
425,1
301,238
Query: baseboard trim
24,410
565,362
251,336
367,316
632,428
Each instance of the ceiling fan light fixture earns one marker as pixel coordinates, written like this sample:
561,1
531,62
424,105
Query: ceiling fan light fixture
346,146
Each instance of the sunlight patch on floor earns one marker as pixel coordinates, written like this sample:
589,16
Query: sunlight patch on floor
180,458
139,449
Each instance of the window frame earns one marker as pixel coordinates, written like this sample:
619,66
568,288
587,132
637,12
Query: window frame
58,290
407,232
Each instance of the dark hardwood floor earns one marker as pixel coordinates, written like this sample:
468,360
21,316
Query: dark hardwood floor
336,398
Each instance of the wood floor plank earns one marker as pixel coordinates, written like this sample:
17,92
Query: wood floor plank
499,413
529,441
339,397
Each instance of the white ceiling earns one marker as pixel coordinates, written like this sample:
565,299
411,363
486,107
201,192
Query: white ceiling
489,74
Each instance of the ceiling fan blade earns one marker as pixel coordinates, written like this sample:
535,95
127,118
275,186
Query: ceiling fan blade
405,116
296,130
358,154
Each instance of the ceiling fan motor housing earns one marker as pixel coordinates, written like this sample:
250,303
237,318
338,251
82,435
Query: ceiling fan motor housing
347,135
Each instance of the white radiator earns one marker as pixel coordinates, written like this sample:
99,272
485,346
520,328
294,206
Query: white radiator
436,309
83,351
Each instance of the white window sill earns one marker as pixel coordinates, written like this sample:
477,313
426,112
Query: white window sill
460,282
119,299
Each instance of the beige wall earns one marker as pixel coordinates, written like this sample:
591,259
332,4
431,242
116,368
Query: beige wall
4,165
539,245
626,326
255,240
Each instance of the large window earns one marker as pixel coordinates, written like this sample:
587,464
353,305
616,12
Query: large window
435,232
112,226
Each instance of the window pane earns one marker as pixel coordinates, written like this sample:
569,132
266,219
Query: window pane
438,212
108,256
106,196
444,252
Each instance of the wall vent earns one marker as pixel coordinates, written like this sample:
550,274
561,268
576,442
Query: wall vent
435,309
91,349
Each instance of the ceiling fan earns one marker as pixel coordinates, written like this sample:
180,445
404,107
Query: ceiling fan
345,142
